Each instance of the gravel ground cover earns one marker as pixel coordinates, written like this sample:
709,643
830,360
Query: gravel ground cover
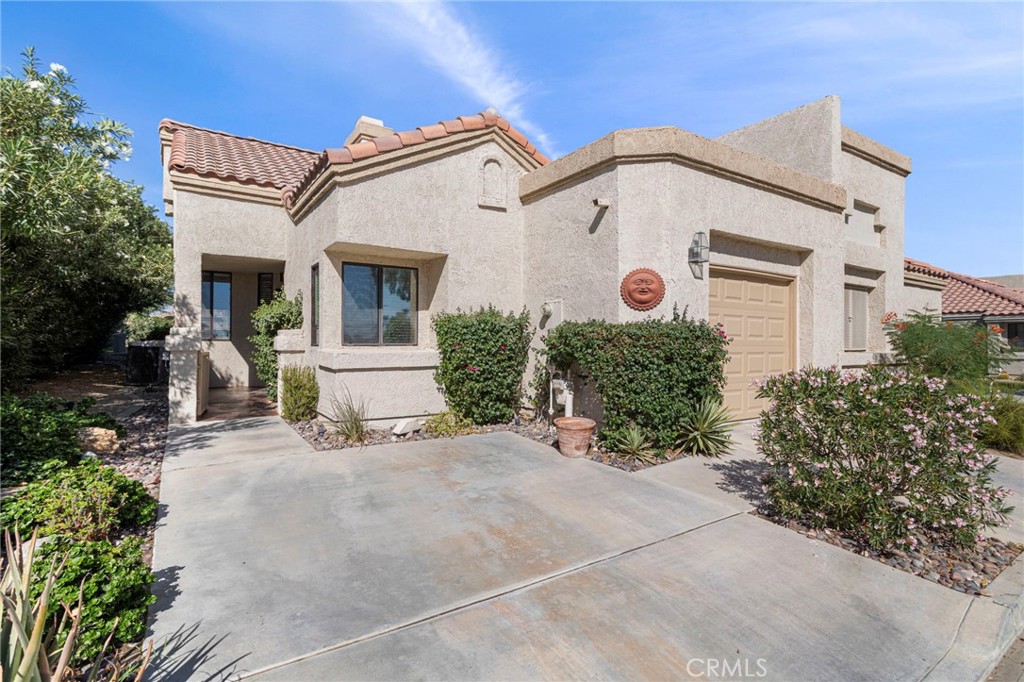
965,570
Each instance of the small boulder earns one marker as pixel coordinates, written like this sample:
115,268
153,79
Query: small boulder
100,441
407,426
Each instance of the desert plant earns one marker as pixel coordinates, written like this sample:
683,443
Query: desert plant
300,393
348,417
946,349
706,431
269,318
29,646
85,502
879,454
448,424
483,358
653,373
114,582
40,429
632,442
1006,432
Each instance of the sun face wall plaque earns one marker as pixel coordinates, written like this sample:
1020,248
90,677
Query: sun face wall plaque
642,289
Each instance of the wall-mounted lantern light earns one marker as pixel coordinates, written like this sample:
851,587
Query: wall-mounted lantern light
700,251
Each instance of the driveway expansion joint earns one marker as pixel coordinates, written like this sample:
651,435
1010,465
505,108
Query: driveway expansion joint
492,596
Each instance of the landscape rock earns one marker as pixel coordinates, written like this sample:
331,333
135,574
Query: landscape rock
98,440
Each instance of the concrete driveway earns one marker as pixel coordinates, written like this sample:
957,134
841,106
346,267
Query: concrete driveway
492,557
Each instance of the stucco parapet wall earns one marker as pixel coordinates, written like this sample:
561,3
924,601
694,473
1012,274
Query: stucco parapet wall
874,152
184,339
337,166
225,188
376,359
290,341
675,145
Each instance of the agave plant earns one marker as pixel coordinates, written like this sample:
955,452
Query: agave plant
632,442
707,431
30,648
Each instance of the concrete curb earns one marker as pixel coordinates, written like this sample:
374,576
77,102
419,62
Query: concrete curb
990,626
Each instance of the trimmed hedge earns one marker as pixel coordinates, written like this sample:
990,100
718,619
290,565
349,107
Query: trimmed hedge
654,373
483,358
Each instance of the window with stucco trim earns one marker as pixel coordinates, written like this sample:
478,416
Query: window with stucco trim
378,305
1015,335
856,328
216,317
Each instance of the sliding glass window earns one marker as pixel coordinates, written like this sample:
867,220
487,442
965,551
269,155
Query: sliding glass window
378,305
314,305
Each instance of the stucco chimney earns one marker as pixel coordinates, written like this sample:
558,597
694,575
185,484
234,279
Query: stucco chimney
367,128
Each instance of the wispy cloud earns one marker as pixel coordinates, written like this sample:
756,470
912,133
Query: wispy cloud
448,44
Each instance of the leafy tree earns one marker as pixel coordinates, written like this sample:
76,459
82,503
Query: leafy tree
79,247
946,349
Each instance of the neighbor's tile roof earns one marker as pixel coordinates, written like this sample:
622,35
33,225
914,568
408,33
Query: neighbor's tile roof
245,160
248,161
964,294
353,153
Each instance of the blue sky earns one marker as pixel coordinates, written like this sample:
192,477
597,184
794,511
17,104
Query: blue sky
942,83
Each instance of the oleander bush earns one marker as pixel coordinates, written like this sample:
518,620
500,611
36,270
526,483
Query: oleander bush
114,582
268,319
483,358
879,455
653,374
39,429
946,349
300,393
85,502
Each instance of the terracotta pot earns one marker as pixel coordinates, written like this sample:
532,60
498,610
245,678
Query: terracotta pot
574,435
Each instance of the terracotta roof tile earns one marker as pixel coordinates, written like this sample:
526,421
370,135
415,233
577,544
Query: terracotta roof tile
965,295
433,132
245,160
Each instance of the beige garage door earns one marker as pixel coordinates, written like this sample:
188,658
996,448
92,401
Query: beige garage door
757,313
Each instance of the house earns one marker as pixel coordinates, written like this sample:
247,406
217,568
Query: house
789,232
978,301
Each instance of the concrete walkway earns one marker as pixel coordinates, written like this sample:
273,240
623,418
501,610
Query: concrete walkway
492,557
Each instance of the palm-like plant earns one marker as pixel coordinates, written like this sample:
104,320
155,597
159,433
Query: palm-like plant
632,442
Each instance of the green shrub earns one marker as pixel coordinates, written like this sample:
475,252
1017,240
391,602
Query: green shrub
707,431
144,327
632,442
348,418
448,424
300,393
653,373
1007,433
483,357
85,502
878,454
945,349
268,319
40,429
114,581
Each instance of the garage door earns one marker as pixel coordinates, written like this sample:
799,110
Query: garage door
757,313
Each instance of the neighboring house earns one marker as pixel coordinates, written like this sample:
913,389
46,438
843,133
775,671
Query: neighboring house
979,301
804,219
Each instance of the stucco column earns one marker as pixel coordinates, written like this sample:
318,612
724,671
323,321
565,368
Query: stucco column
290,345
184,345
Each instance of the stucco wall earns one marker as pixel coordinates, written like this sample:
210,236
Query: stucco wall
920,299
428,216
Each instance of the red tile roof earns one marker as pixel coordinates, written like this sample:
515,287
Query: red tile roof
353,153
248,161
245,160
965,295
